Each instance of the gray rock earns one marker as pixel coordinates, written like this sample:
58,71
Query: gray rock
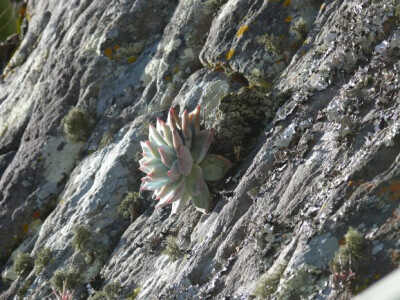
304,99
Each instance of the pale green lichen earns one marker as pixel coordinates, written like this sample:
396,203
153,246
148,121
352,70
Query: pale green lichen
300,28
172,249
271,43
299,285
267,284
240,118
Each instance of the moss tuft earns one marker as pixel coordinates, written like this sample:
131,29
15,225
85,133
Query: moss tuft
268,283
24,288
68,277
42,258
78,124
131,206
347,259
111,291
23,263
172,250
81,236
355,242
134,294
300,29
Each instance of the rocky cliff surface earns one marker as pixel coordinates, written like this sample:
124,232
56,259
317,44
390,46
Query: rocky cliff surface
304,99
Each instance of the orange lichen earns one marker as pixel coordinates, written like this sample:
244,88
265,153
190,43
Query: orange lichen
25,227
242,30
131,59
395,186
230,54
289,19
168,78
22,10
116,47
286,3
36,214
108,52
342,242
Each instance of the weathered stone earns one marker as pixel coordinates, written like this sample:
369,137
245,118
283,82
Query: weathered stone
303,96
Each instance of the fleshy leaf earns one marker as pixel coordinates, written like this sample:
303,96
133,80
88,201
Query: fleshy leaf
178,143
195,181
177,206
147,164
159,173
202,201
174,193
152,186
186,129
167,133
194,118
185,160
174,174
150,149
201,144
215,167
155,137
166,155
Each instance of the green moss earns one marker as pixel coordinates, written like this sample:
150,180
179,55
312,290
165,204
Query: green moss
355,242
23,263
24,288
300,29
68,277
134,294
78,124
111,291
108,137
81,237
42,258
131,206
268,283
271,43
347,258
8,20
172,249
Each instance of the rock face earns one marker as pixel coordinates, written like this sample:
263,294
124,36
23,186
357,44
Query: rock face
304,98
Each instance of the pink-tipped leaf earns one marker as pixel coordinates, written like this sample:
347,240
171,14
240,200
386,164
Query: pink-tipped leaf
167,156
178,143
185,160
186,129
201,144
174,174
177,206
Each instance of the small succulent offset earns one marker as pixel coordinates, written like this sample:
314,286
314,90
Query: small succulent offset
176,162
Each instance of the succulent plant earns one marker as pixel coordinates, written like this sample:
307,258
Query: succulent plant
176,162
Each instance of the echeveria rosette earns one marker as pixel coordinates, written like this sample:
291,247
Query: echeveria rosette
176,162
